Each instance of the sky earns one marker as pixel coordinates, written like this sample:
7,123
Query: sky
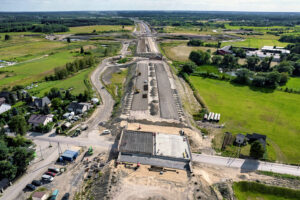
101,5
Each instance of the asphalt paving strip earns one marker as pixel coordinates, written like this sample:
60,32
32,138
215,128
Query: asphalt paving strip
140,103
167,104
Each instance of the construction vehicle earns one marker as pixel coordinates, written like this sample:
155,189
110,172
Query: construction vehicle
90,151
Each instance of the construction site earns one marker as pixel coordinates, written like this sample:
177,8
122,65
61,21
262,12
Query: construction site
155,149
153,95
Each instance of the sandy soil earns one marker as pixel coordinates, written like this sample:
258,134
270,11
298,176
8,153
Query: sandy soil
145,184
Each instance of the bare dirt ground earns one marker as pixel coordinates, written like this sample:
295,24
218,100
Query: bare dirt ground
145,184
214,174
70,180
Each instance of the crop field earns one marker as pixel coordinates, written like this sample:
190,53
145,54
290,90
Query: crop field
75,84
179,51
244,110
98,28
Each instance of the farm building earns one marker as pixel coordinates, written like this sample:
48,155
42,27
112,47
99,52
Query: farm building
261,55
155,149
275,50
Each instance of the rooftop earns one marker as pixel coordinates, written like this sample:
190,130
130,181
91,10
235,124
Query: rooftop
136,142
171,146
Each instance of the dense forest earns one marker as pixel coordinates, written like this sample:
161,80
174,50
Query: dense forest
56,22
160,18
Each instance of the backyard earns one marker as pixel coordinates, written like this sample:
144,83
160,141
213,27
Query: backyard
245,110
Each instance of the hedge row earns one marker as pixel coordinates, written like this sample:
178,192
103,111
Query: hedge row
266,189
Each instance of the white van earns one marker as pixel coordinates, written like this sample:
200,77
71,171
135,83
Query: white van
46,177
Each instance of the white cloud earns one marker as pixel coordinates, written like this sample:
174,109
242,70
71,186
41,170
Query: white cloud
221,5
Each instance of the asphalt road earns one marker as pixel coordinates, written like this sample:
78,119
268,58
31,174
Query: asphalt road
246,165
167,104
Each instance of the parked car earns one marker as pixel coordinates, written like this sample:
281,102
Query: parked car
47,178
101,123
52,169
36,183
106,132
66,196
30,187
50,173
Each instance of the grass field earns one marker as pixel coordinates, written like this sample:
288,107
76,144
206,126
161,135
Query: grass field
256,42
293,83
24,48
252,195
75,82
27,73
115,88
179,51
98,28
188,30
243,110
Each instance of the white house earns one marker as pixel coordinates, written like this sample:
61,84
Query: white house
36,120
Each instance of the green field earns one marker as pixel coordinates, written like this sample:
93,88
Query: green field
24,48
27,73
188,30
256,42
293,83
243,110
75,82
241,194
98,28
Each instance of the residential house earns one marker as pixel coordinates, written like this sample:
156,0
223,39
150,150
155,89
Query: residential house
240,139
2,100
255,136
79,108
41,102
4,108
225,50
7,96
37,120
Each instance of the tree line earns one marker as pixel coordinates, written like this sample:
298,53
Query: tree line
71,68
255,72
38,28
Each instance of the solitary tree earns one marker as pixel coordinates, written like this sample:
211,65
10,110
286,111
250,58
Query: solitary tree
81,50
7,37
257,150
